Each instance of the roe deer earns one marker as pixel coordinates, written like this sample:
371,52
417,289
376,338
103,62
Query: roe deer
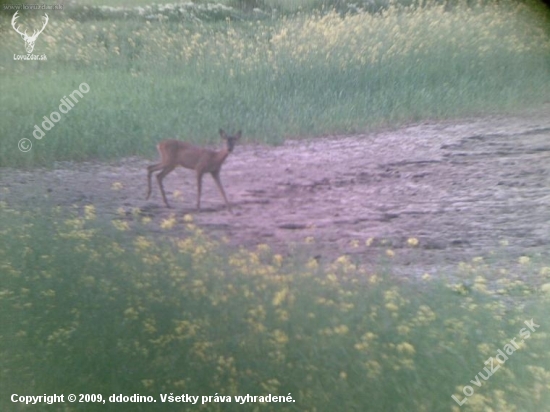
177,153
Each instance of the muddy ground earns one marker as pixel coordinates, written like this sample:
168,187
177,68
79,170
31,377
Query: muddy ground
460,188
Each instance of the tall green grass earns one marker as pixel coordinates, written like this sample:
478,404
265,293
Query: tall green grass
88,309
305,75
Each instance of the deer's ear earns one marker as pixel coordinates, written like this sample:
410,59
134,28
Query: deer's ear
238,135
222,134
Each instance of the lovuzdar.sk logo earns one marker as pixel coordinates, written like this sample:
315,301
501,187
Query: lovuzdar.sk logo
29,40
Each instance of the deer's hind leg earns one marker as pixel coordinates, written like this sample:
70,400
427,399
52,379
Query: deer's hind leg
165,170
150,170
199,189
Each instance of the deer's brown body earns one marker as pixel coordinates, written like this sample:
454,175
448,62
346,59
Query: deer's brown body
175,153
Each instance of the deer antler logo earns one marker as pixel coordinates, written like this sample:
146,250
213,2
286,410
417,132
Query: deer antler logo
29,40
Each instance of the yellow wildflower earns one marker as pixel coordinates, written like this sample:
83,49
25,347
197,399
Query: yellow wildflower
89,212
121,225
406,348
279,297
524,260
168,223
280,337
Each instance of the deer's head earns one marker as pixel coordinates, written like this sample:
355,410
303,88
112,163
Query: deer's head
29,40
230,140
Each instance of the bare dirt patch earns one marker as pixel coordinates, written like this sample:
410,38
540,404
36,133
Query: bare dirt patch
459,188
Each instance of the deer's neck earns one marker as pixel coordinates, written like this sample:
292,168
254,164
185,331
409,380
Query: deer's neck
222,155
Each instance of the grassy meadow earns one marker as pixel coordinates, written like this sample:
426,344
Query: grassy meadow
165,72
96,306
88,308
